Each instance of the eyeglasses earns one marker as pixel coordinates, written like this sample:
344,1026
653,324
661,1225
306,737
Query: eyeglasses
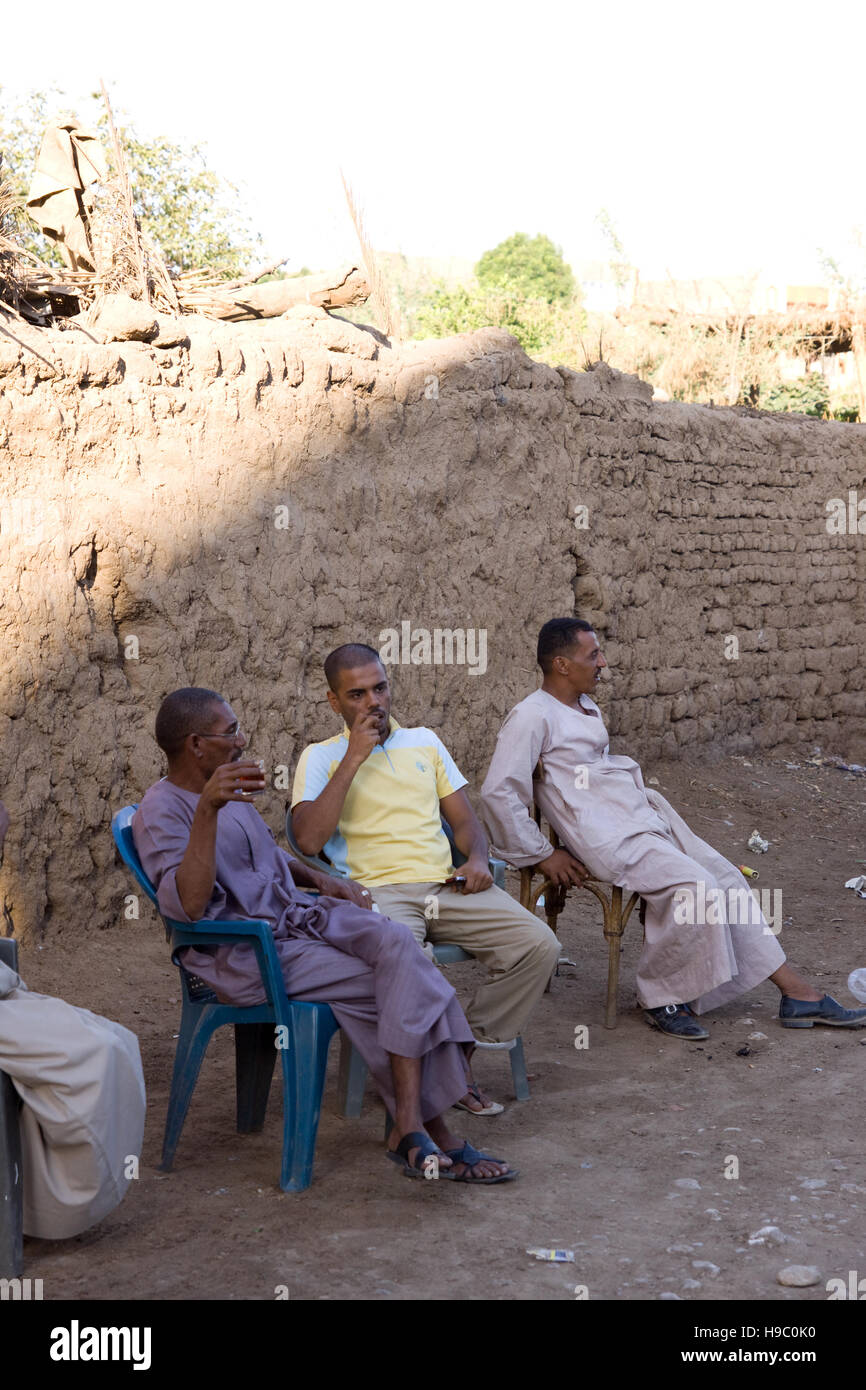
233,733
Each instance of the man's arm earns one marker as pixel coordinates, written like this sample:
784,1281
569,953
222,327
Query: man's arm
469,839
314,822
329,885
304,876
196,872
506,797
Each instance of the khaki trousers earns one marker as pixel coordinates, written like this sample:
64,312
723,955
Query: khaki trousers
519,950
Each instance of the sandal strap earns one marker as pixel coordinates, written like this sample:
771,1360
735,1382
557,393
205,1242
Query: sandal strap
469,1155
417,1140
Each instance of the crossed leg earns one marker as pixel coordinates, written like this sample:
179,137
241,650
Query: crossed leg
398,1010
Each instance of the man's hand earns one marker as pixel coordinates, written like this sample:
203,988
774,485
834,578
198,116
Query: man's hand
196,872
477,876
346,888
232,782
563,869
363,737
314,822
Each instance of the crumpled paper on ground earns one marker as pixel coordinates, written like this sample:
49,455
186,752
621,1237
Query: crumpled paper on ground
757,844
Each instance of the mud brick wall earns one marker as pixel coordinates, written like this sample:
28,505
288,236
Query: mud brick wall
225,510
734,618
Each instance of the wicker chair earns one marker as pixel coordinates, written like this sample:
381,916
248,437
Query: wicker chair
615,916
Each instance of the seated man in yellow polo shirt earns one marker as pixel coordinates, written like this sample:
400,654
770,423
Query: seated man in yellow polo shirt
372,798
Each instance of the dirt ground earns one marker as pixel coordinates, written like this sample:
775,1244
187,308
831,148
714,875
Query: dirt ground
608,1134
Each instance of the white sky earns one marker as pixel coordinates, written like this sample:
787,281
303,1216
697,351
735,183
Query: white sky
722,139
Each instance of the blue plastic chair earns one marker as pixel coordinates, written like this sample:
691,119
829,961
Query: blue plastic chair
11,1207
307,1029
353,1068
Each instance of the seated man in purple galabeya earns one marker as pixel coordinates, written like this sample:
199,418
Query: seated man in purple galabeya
210,855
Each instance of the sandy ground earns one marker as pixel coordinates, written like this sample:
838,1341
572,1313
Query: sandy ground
602,1144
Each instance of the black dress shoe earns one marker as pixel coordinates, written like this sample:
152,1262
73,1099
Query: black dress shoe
805,1013
678,1020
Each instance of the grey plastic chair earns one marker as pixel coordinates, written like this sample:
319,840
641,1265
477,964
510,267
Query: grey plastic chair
11,1216
352,1077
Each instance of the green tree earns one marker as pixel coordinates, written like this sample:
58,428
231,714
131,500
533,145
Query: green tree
448,311
22,126
193,214
542,329
809,395
526,267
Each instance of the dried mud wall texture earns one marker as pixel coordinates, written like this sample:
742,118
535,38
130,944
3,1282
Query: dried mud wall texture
224,513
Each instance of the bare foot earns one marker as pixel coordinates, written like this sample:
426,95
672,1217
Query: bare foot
478,1101
486,1168
475,1098
447,1139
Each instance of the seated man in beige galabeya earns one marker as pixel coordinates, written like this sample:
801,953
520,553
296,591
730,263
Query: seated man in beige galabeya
78,1077
210,854
373,798
706,940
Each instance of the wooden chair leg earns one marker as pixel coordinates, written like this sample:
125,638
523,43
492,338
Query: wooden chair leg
613,934
554,901
526,889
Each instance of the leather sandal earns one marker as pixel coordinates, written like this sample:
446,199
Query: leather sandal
421,1165
470,1156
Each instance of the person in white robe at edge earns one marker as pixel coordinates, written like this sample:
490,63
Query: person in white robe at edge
81,1121
706,939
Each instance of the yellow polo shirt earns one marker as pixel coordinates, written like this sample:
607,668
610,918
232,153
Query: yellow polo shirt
390,829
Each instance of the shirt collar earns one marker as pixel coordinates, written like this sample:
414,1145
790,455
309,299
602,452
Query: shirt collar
392,726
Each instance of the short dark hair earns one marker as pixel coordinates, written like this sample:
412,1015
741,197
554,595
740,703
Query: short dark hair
557,637
345,657
180,715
